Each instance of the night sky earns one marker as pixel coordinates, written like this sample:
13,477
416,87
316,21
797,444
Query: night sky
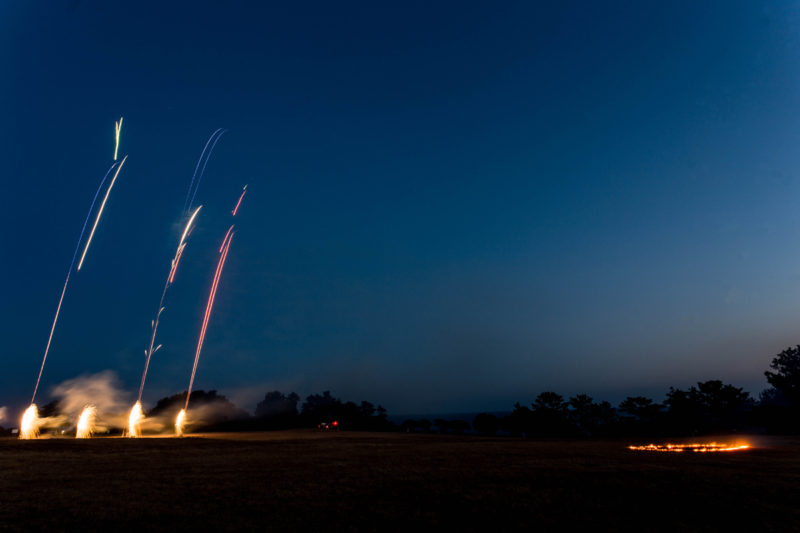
450,207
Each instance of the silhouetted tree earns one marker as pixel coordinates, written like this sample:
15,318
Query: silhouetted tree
641,408
520,422
486,424
550,416
218,412
786,376
364,416
277,404
711,406
644,416
320,408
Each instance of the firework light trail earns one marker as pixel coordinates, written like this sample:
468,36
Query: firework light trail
117,130
209,305
180,421
66,282
236,209
86,421
204,155
170,278
100,212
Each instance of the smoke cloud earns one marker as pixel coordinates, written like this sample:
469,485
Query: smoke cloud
102,390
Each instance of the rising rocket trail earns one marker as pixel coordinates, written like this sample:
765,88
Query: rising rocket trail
100,212
205,155
236,209
170,279
223,251
66,282
209,305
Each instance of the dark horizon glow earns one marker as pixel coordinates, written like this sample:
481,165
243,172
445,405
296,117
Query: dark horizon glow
450,207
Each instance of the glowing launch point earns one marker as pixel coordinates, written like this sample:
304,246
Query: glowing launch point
86,422
180,423
29,428
698,448
135,421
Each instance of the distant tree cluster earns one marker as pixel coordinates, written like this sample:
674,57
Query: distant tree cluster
708,407
276,411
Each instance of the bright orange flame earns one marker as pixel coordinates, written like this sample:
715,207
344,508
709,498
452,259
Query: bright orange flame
135,420
29,427
180,423
700,447
86,422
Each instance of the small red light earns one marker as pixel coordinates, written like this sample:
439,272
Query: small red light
335,423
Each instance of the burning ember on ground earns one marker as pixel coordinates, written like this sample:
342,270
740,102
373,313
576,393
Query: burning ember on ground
701,448
86,422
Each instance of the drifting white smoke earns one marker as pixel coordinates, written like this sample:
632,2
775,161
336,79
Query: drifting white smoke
3,413
101,390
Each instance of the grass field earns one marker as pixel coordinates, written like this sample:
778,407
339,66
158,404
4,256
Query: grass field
314,481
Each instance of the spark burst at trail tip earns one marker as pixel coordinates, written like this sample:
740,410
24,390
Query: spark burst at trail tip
117,130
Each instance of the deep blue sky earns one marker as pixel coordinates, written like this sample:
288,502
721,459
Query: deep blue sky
451,206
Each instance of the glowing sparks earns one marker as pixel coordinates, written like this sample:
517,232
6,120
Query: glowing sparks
135,421
29,427
86,422
709,447
209,305
117,130
236,209
100,212
180,423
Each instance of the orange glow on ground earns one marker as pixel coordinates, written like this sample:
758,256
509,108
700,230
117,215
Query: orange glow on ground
698,448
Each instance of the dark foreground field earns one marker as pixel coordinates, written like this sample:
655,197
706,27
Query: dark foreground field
359,481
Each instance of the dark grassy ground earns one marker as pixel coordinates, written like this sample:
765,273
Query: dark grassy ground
386,482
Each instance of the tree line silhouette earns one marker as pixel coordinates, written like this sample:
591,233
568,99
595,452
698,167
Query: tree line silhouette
708,407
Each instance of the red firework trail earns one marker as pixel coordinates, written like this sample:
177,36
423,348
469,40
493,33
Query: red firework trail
225,240
236,209
226,244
